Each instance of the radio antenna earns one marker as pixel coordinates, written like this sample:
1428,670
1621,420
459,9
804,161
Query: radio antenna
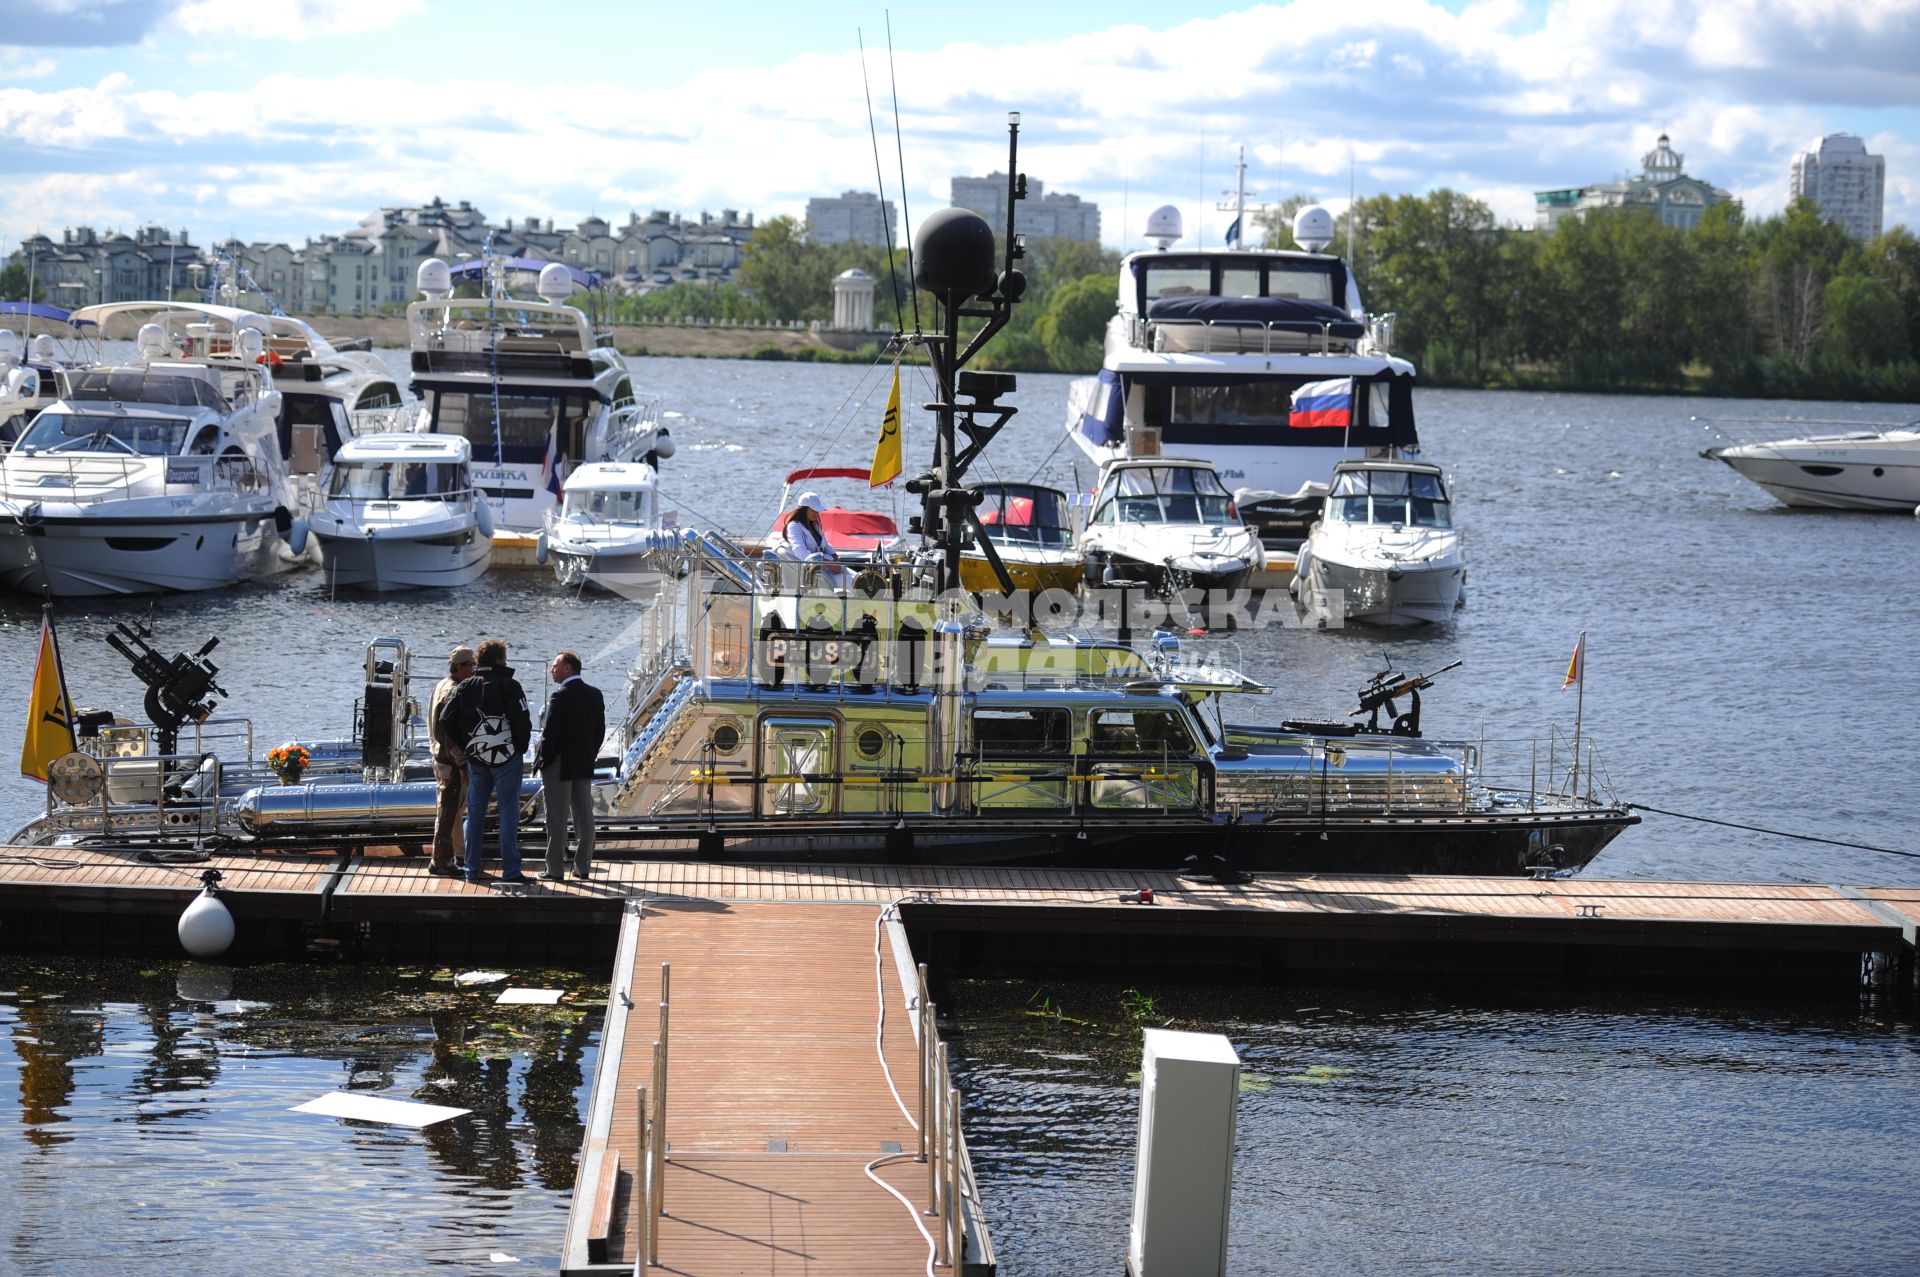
893,85
886,223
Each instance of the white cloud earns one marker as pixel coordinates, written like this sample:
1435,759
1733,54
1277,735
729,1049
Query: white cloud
290,19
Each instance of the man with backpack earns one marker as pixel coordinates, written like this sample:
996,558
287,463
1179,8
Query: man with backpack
489,713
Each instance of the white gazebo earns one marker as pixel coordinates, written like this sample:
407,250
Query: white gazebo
853,301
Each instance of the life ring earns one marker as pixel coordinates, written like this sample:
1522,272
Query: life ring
270,358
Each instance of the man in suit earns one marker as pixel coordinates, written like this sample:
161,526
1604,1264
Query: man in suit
570,736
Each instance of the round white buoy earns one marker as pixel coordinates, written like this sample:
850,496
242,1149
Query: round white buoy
206,928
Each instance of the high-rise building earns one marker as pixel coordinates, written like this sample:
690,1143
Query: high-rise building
1662,187
1040,215
1847,184
860,216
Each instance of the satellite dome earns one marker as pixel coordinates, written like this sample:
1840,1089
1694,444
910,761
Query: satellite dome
1163,226
434,279
152,342
556,282
953,255
252,342
44,349
1313,228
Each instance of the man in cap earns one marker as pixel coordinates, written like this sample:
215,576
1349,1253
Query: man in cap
449,770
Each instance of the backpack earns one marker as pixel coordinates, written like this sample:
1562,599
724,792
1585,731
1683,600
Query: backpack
489,741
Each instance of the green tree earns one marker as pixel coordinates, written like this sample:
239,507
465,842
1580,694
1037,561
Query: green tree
1273,226
1075,323
1894,260
1720,329
14,285
790,278
1797,254
1865,322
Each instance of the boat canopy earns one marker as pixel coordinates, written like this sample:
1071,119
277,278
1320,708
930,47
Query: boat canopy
1294,313
39,310
477,269
400,446
612,476
829,472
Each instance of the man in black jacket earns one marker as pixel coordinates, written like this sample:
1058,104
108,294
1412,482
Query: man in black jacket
489,713
570,737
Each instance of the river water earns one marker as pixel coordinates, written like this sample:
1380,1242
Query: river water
1745,663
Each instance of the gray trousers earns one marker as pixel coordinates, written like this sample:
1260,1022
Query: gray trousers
567,800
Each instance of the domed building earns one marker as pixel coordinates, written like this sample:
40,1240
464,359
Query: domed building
1662,186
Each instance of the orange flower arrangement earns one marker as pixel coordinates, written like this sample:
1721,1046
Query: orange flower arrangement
288,761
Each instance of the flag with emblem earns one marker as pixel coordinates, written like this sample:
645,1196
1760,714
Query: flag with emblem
49,712
887,462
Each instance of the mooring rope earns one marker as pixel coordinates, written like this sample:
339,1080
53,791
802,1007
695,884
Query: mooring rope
1777,833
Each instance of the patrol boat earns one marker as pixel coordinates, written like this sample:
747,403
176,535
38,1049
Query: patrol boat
900,718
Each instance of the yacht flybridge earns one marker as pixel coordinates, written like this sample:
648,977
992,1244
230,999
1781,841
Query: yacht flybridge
880,715
529,381
1263,362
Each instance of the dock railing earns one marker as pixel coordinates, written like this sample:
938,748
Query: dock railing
953,1194
649,1166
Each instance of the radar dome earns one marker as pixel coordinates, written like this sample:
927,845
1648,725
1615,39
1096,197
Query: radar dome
9,346
953,255
44,349
556,282
1313,228
435,279
1163,226
152,342
251,342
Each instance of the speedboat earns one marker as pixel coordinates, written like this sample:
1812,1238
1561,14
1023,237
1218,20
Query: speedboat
606,528
1170,524
164,474
1033,535
401,514
1385,550
30,362
531,382
1863,469
1211,354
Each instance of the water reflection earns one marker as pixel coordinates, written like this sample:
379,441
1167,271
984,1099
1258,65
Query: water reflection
1460,1133
140,1080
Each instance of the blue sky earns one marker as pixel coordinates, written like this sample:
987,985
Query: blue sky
280,119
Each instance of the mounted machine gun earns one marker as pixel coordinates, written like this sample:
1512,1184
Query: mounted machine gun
1388,686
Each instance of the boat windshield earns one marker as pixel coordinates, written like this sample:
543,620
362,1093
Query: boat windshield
608,507
396,480
101,432
526,420
1410,498
1165,494
1024,516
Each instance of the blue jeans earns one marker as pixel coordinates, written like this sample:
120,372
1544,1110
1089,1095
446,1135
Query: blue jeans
484,782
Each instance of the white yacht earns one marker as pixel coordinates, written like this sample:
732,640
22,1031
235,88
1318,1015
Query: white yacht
1870,468
528,381
30,362
1206,357
401,514
1384,550
158,475
1170,524
606,528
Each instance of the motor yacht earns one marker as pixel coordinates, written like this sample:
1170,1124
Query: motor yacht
1384,550
30,362
163,474
529,381
604,532
401,513
1872,467
1170,524
1207,353
1032,530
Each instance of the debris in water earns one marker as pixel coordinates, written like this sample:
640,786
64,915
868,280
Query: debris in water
373,1108
466,978
528,997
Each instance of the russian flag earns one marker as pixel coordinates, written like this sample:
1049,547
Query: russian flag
1320,404
550,464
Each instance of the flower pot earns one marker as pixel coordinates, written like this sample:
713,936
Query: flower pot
291,776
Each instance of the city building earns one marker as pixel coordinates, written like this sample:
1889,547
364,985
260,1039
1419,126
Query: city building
859,216
86,267
1662,186
1040,215
1847,184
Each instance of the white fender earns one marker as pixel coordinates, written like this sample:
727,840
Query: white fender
206,928
540,548
483,517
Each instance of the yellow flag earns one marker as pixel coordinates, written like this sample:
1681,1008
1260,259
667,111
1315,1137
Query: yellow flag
886,453
49,712
1577,667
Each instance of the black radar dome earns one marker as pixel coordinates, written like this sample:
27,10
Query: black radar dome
953,254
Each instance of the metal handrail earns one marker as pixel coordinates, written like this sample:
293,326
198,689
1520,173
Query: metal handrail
952,1190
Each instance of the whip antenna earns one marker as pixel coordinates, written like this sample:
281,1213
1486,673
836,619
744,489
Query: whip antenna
906,216
886,223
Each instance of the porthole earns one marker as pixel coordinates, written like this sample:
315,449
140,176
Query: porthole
725,738
871,742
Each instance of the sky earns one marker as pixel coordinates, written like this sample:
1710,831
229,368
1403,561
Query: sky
277,120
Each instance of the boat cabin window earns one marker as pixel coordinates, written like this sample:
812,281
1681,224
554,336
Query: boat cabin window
381,394
394,480
1024,516
1239,281
1020,733
1306,284
1256,403
1165,494
1410,498
1169,280
89,432
1140,731
144,386
610,506
527,421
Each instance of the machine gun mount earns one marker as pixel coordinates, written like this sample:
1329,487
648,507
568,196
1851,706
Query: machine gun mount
179,691
1388,686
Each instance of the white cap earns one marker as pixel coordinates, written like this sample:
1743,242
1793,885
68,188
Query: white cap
812,501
